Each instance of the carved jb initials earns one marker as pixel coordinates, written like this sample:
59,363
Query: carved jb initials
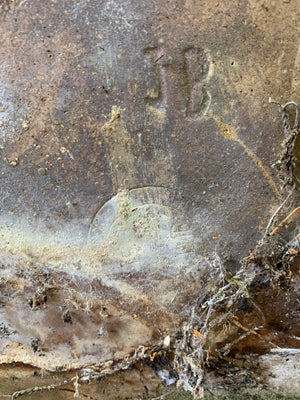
197,68
191,78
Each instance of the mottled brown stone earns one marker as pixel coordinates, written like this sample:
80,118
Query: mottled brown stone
136,140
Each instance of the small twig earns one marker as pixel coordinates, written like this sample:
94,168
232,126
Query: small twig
290,134
283,112
284,221
253,332
226,349
239,325
297,113
35,389
277,211
76,386
100,370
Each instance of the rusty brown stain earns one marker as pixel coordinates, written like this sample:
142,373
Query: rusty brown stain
228,133
115,115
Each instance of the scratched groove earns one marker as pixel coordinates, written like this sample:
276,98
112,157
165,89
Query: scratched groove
229,134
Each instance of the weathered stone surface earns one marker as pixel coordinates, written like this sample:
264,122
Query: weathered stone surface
136,141
103,97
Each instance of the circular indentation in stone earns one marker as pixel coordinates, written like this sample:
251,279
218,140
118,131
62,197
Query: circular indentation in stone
143,228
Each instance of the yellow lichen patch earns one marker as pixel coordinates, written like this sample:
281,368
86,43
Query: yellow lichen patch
159,115
115,115
229,134
151,93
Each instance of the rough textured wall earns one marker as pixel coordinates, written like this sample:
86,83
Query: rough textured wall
136,142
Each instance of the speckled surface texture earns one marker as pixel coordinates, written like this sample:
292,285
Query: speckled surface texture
136,140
